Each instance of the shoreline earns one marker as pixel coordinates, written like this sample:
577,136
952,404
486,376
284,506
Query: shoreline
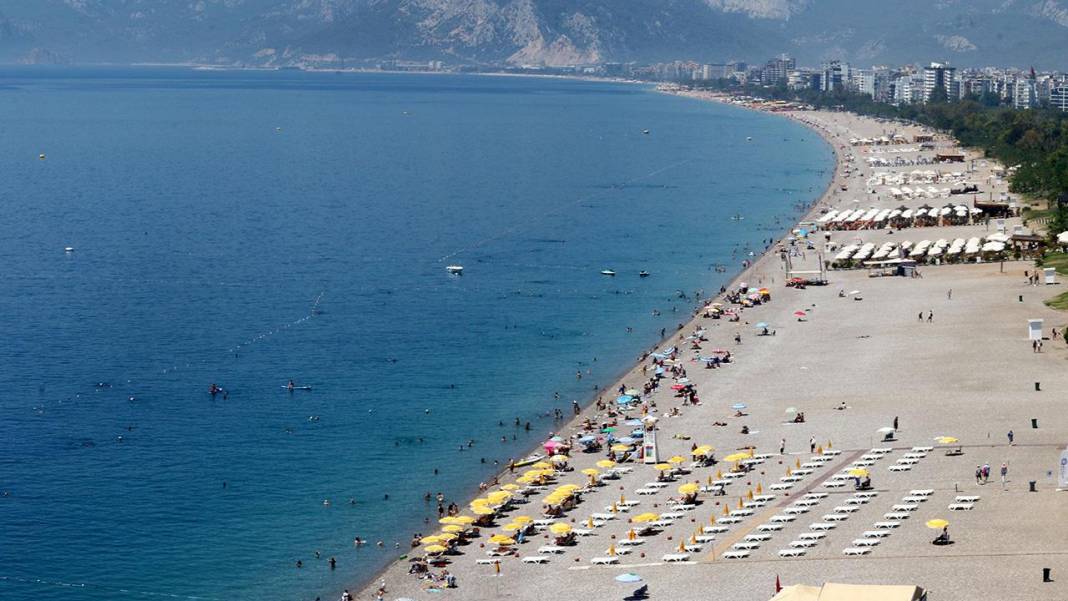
759,260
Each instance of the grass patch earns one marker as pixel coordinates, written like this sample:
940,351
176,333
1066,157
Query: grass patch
1059,302
1057,260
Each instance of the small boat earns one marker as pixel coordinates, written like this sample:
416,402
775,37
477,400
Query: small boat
608,272
530,460
643,274
455,269
737,218
645,131
749,138
68,249
41,156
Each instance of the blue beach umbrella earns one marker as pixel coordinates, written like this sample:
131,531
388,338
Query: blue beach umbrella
588,439
628,578
761,325
738,406
633,422
624,399
626,440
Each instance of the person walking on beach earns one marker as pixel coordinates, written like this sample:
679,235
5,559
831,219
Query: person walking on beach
921,316
575,407
978,474
930,316
782,446
1011,436
1004,474
812,444
949,294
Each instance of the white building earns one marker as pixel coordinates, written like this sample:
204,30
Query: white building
1058,97
940,75
1024,95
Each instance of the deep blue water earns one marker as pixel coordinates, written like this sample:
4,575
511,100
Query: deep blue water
203,237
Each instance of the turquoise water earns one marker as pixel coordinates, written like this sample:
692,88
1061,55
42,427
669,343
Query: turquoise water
250,228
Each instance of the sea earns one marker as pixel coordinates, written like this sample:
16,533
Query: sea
166,229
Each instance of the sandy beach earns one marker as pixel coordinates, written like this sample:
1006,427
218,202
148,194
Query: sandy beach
945,354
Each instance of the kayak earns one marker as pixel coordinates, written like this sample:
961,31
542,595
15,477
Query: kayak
297,388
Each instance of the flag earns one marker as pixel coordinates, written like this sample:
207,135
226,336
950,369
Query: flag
778,585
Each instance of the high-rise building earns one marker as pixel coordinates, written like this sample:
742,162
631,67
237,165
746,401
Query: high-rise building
1024,95
834,76
777,70
862,81
940,75
1058,97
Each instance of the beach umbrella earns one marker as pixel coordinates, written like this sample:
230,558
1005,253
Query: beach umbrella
689,489
643,518
590,471
619,448
624,399
542,465
498,497
510,487
736,457
522,519
947,439
663,467
631,392
434,549
500,539
859,472
449,520
452,529
702,451
568,487
463,520
886,430
937,524
482,510
447,536
800,314
761,325
606,463
739,406
629,578
558,459
677,459
513,527
430,540
560,529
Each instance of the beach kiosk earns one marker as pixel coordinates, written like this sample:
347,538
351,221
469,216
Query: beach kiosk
650,453
1051,274
1034,329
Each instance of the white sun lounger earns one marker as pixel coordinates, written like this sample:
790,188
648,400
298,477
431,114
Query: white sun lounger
807,502
769,527
618,508
662,523
791,552
834,517
834,484
832,453
626,542
922,449
535,559
704,538
795,510
922,492
905,507
582,531
866,542
846,508
731,519
739,554
822,526
872,457
629,503
966,498
887,525
682,507
863,463
812,535
602,561
487,562
856,500
745,546
672,515
896,515
790,479
550,549
646,491
675,557
742,513
815,495
803,544
603,516
781,486
543,523
756,537
856,551
803,471
715,529
875,533
812,465
911,499
961,506
779,519
899,468
656,484
866,495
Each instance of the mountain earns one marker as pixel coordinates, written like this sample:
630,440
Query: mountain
532,32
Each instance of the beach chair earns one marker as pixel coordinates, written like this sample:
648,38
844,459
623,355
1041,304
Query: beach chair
714,529
922,492
672,515
769,527
550,550
745,546
806,503
834,517
647,491
782,518
866,495
663,523
882,450
812,465
815,495
736,554
905,507
743,513
803,544
961,506
764,497
693,547
899,468
798,552
820,526
812,535
604,561
781,486
896,515
790,479
795,510
656,484
603,516
866,542
922,449
535,559
631,503
911,499
887,525
731,519
966,498
626,542
803,471
487,562
759,538
675,557
622,508
855,501
856,551
704,538
875,533
834,484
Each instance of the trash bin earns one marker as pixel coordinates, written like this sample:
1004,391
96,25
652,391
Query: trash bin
1038,386
1034,422
1031,484
1046,575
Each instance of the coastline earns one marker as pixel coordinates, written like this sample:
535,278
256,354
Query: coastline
634,371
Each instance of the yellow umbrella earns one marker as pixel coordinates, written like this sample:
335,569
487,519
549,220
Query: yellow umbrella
560,528
513,527
619,448
947,440
542,465
736,457
568,487
463,520
606,463
590,471
453,528
510,487
482,510
702,451
642,518
479,501
434,549
447,536
937,524
557,459
498,497
449,519
663,467
859,472
430,540
500,539
689,489
677,459
522,519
